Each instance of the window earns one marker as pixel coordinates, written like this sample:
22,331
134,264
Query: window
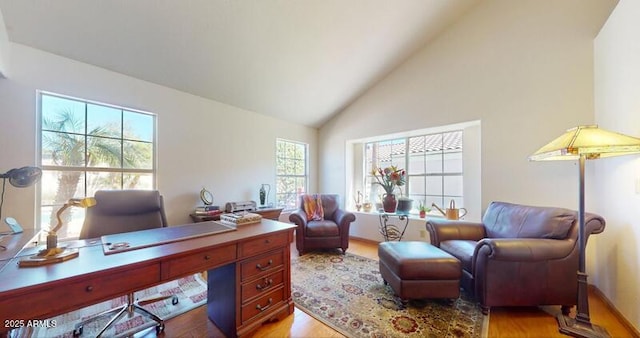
291,173
87,146
433,164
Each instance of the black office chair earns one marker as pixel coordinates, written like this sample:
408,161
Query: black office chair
118,211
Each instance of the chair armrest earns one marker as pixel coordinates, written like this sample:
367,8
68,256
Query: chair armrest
342,218
594,224
523,249
443,230
298,217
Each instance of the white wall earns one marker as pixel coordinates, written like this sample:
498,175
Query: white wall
4,48
617,180
201,143
522,68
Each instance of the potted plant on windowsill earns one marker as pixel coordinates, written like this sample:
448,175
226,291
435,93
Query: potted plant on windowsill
423,209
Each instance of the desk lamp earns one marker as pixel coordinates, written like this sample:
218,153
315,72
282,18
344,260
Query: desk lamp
584,143
53,253
19,178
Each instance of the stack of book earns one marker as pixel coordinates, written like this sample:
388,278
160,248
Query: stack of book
208,210
240,218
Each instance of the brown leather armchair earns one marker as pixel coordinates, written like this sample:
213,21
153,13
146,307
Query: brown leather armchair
331,232
519,255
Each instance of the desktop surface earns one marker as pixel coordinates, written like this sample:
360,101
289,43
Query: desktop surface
45,291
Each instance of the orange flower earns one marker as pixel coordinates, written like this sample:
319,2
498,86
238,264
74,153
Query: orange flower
389,178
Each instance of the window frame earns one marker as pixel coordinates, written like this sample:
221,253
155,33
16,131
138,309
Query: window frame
443,197
85,169
278,201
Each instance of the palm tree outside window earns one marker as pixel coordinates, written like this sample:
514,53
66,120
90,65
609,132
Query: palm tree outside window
87,146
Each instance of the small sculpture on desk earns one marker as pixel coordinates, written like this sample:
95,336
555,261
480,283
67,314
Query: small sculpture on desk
264,194
206,196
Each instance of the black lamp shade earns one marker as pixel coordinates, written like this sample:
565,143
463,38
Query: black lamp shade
23,177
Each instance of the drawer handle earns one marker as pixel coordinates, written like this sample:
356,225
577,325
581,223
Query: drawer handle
207,257
263,308
267,283
89,288
264,268
267,241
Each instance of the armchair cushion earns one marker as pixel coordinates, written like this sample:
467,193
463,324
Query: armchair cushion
462,250
322,229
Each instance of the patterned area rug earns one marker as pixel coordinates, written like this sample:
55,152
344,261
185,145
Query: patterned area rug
347,293
191,292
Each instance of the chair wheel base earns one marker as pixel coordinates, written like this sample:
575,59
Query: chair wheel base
159,328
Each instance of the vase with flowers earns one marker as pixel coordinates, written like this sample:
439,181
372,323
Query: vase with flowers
389,178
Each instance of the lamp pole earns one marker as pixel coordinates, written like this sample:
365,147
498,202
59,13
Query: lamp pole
582,307
581,326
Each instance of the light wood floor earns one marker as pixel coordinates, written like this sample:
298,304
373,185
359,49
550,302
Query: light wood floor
504,322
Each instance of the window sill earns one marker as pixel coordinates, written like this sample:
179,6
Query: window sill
411,215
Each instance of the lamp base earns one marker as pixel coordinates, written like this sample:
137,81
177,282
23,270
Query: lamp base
49,256
575,328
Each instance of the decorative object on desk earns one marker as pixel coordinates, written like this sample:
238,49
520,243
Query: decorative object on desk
423,210
346,292
451,213
13,224
584,143
192,291
53,253
265,189
19,178
206,196
404,205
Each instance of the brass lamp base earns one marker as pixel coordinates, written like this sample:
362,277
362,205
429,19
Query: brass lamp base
49,256
575,328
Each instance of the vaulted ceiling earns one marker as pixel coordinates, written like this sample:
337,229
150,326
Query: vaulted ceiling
298,60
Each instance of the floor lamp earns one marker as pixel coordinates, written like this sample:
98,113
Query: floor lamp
584,143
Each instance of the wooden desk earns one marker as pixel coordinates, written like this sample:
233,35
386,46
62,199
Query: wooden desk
268,213
14,243
237,261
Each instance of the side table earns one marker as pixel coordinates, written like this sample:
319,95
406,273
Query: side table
390,231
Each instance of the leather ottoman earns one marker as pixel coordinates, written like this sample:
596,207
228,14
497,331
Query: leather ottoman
417,270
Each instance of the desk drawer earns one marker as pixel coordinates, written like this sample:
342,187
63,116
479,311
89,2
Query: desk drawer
39,303
262,285
263,244
262,304
262,265
199,261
